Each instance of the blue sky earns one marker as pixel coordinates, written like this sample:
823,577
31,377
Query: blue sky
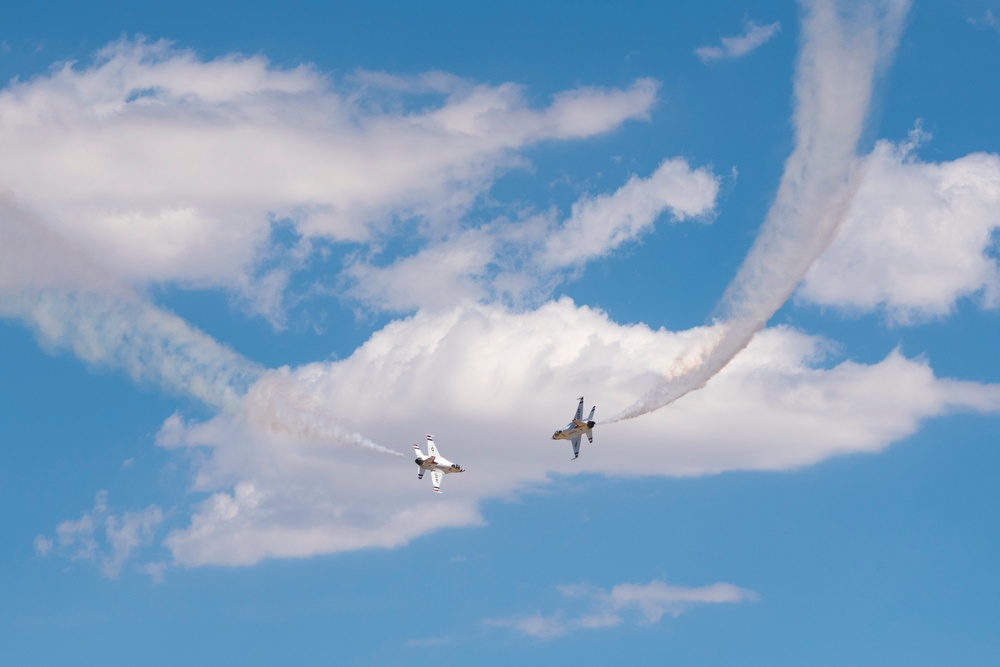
250,252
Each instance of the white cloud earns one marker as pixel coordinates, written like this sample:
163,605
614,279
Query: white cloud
43,545
126,533
83,539
491,385
520,261
646,602
454,270
167,168
736,47
653,600
599,225
918,237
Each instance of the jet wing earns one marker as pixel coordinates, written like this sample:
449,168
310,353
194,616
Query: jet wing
432,450
436,477
579,411
576,446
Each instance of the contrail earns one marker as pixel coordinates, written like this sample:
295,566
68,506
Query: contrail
843,49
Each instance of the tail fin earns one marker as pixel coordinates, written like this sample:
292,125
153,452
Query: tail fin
590,425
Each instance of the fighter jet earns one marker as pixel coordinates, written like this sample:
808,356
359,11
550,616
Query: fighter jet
575,429
437,464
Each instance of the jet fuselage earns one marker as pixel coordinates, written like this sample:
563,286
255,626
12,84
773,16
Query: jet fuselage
573,429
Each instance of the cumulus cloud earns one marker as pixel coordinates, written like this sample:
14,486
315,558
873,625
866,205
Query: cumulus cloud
492,384
646,603
919,236
101,536
168,168
754,36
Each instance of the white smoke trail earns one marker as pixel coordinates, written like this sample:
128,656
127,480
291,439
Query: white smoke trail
150,344
72,304
843,49
281,402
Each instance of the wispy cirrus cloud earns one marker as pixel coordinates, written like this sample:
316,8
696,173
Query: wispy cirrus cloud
645,604
754,36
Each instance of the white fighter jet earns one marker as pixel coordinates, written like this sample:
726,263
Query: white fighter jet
575,429
437,464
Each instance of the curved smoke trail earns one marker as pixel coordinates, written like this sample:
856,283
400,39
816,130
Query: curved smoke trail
843,50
